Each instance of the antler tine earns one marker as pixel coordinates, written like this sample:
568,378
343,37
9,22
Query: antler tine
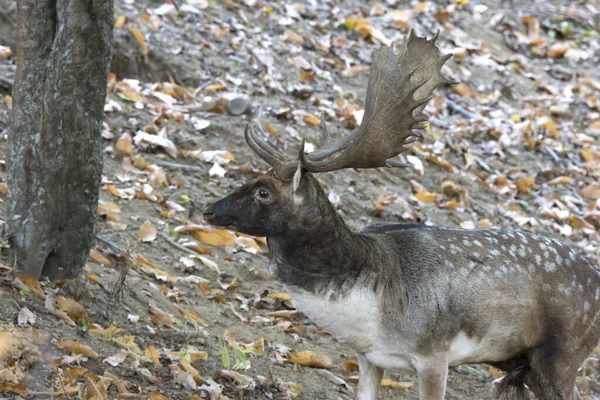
264,150
399,88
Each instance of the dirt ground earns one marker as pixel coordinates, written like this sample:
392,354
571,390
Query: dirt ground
515,144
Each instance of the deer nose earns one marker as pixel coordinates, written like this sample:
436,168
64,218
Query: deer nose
209,215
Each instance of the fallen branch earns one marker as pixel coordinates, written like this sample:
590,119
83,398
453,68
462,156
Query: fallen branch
177,245
454,106
183,167
5,82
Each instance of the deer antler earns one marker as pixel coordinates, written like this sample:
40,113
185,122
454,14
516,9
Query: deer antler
400,85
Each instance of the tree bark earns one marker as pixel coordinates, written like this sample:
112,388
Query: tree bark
55,153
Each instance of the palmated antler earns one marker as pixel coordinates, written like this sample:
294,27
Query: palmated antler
400,85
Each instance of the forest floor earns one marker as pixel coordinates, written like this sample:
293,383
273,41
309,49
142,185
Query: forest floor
169,308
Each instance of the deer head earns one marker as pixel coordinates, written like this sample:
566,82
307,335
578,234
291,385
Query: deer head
400,85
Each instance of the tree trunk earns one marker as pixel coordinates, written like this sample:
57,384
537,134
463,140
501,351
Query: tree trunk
55,152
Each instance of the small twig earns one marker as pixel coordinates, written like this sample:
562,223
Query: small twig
184,167
111,245
177,245
454,106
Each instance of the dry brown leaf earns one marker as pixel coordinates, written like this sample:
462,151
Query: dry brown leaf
558,50
311,119
280,296
156,396
17,389
308,358
139,36
485,224
495,372
74,348
3,188
73,309
8,101
594,128
5,52
349,366
465,90
427,197
389,383
152,354
293,37
588,155
159,317
580,223
591,191
32,284
442,163
147,232
187,367
125,144
100,259
94,279
93,391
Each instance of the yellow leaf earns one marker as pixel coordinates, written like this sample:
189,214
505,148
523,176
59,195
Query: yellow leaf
120,21
3,188
127,342
104,333
442,163
187,367
560,180
105,207
73,309
32,284
137,34
349,366
74,348
215,237
8,101
147,232
191,316
427,197
550,127
588,155
152,354
308,358
580,223
159,317
389,383
281,296
449,205
213,88
496,373
125,144
525,184
516,117
100,259
465,90
156,396
311,119
485,224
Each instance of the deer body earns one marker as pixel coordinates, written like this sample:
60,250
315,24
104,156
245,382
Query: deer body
408,296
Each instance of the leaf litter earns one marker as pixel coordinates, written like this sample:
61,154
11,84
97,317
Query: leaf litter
517,150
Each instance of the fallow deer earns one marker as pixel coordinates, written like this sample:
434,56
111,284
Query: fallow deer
409,296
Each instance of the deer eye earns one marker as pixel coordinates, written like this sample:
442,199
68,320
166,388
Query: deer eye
263,194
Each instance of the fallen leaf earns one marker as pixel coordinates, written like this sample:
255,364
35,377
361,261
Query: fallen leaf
25,317
73,309
427,197
280,296
591,191
349,366
8,102
33,284
450,205
147,232
100,259
187,367
125,144
152,354
139,37
389,383
560,180
308,358
159,317
17,389
465,90
214,237
120,22
74,348
156,396
442,163
525,184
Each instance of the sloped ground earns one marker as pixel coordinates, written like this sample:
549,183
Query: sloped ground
165,299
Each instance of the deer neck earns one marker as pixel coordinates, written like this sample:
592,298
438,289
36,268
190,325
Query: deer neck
321,255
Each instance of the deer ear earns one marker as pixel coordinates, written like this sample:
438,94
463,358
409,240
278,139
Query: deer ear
296,179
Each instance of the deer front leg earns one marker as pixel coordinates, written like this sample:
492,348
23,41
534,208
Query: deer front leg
370,379
432,379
